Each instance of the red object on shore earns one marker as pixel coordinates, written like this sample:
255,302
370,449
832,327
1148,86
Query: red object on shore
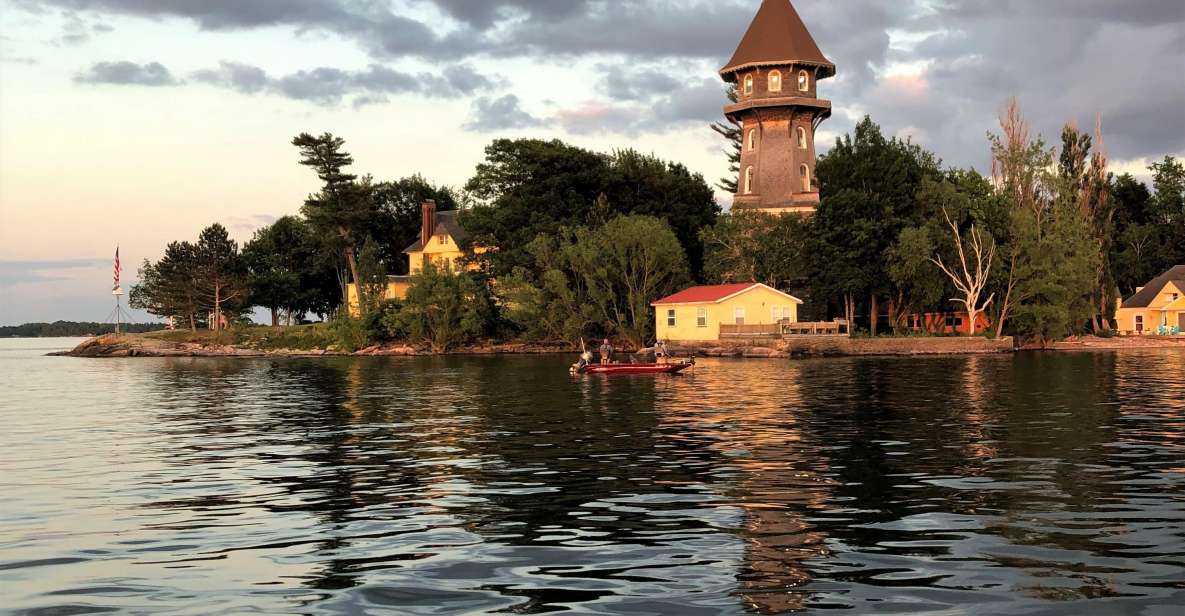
637,368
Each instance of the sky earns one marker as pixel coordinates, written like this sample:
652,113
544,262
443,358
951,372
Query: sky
139,122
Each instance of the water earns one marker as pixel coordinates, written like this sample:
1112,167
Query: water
1035,484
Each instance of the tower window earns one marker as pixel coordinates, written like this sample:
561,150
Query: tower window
749,180
805,172
801,138
748,84
775,81
804,81
752,138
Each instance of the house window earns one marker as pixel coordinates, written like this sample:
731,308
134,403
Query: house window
804,82
752,138
801,138
775,81
701,317
1139,323
443,239
671,317
739,316
805,172
748,84
781,313
749,180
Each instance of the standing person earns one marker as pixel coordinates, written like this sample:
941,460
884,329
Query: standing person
606,352
660,352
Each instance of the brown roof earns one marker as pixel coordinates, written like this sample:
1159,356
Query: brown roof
1145,296
446,223
778,36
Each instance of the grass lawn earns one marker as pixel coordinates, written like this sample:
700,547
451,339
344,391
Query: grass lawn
297,337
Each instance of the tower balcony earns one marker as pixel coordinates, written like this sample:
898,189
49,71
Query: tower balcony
781,101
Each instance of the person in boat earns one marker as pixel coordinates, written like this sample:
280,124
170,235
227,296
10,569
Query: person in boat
661,355
606,353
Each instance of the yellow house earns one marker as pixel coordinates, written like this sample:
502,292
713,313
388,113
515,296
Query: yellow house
704,313
439,243
1158,306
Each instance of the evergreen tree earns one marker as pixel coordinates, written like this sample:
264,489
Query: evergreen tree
286,273
168,288
732,134
220,276
343,204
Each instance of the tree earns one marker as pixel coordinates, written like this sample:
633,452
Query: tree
343,205
752,246
168,288
528,188
597,281
285,273
219,275
969,276
732,134
372,280
443,308
868,186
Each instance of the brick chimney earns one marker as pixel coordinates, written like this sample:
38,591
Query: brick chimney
428,221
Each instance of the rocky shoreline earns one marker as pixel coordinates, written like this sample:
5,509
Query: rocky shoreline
140,346
823,346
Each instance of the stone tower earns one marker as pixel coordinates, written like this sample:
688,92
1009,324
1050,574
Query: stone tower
776,70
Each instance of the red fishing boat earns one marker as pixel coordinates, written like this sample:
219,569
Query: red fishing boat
672,368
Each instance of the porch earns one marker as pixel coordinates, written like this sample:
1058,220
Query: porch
786,329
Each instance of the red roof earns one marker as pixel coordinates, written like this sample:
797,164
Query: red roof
706,294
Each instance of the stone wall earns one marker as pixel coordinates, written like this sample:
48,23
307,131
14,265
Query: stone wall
838,346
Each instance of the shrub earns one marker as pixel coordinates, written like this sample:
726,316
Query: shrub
376,322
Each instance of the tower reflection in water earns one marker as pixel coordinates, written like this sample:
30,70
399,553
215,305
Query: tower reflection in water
769,473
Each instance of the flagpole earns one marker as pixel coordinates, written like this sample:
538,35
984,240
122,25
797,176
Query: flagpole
117,291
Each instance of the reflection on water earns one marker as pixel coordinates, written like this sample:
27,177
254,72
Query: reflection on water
981,485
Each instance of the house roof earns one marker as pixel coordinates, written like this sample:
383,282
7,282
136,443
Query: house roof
1144,297
777,36
446,224
714,294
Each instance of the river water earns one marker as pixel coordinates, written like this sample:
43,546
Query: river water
1034,484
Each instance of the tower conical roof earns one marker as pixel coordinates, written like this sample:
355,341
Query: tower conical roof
778,36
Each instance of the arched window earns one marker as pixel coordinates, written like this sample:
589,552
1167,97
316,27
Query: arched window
805,172
752,138
749,180
775,81
801,138
804,82
748,84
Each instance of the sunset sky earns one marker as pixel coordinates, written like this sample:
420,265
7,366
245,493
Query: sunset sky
139,122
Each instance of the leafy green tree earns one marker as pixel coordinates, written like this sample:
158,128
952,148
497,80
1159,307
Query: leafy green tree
343,204
168,288
869,187
528,188
443,308
284,268
752,246
220,275
597,281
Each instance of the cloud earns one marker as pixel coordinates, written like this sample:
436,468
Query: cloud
26,272
493,114
325,86
153,74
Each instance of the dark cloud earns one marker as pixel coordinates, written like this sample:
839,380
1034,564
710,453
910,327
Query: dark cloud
1065,59
324,86
494,114
127,74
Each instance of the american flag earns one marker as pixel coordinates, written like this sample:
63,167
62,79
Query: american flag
115,287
